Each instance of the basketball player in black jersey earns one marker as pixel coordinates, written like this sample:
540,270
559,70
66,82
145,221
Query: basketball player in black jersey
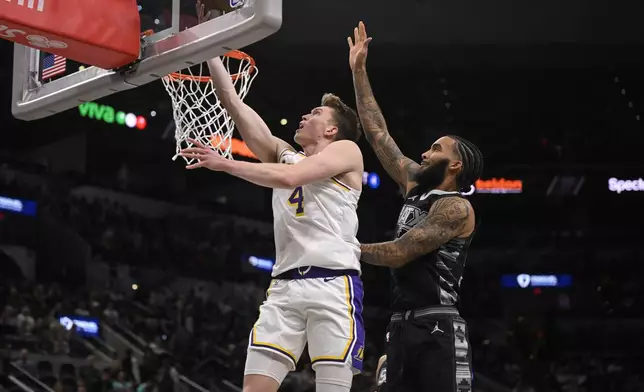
427,345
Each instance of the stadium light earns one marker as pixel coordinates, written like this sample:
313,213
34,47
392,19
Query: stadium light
372,180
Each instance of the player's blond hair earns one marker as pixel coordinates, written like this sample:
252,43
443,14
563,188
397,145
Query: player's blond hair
345,118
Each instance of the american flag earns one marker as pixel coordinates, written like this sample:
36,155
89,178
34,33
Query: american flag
52,65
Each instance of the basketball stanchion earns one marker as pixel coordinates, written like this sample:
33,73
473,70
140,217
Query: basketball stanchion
110,40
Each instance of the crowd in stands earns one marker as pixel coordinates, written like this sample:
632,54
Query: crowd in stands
57,356
175,323
207,336
206,332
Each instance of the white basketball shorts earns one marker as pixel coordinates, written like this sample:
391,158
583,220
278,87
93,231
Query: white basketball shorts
326,312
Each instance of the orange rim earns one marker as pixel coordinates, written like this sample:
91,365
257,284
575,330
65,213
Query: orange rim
233,54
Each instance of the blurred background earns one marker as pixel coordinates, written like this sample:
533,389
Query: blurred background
123,271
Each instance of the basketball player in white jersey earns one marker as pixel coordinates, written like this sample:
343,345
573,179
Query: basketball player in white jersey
316,294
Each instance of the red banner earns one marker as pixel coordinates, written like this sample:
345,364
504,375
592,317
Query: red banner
105,34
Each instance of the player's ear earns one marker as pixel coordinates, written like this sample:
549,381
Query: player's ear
456,166
331,131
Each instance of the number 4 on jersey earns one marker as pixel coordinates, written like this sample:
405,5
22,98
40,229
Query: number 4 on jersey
297,200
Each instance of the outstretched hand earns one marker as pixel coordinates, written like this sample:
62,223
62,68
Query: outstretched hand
358,48
202,15
205,156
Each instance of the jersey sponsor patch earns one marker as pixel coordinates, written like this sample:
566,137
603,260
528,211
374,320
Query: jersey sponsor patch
408,218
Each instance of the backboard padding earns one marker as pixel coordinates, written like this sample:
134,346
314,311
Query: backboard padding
256,20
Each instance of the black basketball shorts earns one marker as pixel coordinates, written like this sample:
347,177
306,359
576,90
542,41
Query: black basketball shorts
427,351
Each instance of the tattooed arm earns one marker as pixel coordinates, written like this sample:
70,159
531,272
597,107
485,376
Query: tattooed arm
398,166
448,218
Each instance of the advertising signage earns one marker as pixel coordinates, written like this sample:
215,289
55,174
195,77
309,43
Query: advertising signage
110,115
84,326
261,263
496,186
18,206
499,185
619,186
525,281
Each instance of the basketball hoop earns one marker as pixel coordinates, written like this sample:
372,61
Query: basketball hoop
197,110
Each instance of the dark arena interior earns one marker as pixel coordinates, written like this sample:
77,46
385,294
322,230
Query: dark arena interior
161,270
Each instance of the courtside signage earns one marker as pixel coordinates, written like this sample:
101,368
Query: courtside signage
109,115
619,186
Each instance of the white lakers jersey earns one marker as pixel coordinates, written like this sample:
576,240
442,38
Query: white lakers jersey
315,224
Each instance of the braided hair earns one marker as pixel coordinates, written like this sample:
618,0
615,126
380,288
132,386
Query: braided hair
472,159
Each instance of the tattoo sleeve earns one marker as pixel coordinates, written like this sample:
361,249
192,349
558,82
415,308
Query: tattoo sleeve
448,218
398,166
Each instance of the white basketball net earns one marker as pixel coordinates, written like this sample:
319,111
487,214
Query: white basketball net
197,111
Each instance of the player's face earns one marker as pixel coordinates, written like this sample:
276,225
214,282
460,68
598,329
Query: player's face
438,162
315,126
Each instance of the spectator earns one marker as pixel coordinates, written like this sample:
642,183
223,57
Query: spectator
148,386
121,384
111,314
25,363
90,375
82,310
8,316
130,366
26,322
60,341
106,381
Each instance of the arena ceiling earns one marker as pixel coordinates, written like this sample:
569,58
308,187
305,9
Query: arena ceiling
463,33
422,33
469,22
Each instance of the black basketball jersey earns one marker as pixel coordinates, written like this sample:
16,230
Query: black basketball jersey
433,279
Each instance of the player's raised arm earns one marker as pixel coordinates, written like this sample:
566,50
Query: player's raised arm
252,128
338,158
448,218
398,166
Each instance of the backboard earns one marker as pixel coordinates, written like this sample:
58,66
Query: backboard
173,41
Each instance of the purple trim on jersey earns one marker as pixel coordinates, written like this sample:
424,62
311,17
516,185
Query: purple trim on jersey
355,354
357,294
316,273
